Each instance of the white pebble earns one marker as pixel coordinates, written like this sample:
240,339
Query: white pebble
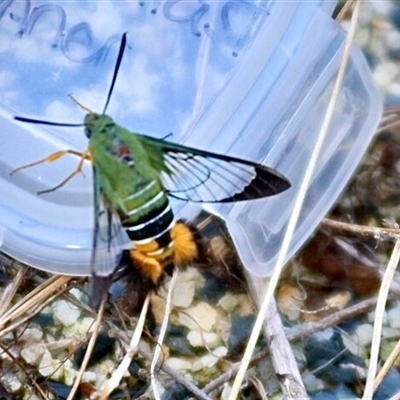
393,316
10,382
313,384
31,396
31,335
185,287
47,365
69,372
179,364
65,313
78,293
89,376
228,302
209,360
360,338
184,294
33,353
202,316
385,74
203,339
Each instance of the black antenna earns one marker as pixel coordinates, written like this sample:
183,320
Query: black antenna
39,121
116,69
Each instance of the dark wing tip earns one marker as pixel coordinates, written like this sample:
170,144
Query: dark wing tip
99,289
267,182
276,181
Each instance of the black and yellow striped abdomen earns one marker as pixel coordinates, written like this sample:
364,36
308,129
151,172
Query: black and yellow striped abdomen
149,222
160,242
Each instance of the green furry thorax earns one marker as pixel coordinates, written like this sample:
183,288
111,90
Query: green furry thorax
118,180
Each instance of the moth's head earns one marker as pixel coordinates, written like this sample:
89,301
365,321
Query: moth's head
92,122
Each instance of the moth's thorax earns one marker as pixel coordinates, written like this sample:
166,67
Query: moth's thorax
120,150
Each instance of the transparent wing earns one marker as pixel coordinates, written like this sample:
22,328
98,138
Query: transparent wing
201,176
109,242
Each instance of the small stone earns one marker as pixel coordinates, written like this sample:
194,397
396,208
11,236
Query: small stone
359,339
185,288
313,384
48,366
10,382
33,353
393,316
31,396
31,335
338,300
246,306
179,364
364,334
105,368
223,328
390,333
69,373
228,302
89,376
184,294
78,293
209,360
65,313
203,339
85,326
385,74
202,316
57,345
290,301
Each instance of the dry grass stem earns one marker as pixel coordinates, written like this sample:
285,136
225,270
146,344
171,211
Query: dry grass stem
379,313
163,331
378,233
394,355
11,289
89,350
115,379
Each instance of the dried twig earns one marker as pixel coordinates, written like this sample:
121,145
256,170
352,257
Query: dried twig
116,377
89,350
377,233
11,289
394,355
380,309
282,356
163,331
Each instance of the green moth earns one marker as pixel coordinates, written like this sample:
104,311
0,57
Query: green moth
135,175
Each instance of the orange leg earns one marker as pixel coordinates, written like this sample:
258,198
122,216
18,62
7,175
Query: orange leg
54,157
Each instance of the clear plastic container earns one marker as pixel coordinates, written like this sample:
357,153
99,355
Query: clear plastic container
246,79
295,106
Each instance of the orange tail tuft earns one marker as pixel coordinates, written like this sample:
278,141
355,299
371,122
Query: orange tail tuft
186,248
